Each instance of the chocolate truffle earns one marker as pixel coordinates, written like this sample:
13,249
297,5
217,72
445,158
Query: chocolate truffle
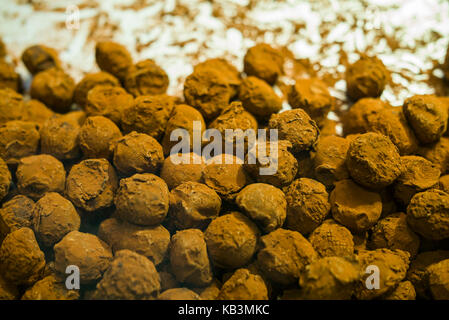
38,58
96,137
264,62
404,291
439,280
331,239
90,81
114,58
12,106
178,294
18,139
437,153
15,214
355,119
227,70
146,78
9,78
244,285
50,288
37,112
174,173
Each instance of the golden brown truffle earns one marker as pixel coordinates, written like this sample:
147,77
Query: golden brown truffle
355,207
175,173
427,115
146,78
189,259
264,204
96,137
50,288
167,281
209,91
137,153
5,179
428,214
151,242
148,114
210,292
114,58
231,240
183,117
313,97
193,205
355,120
12,106
39,174
227,70
367,77
297,127
439,280
264,62
307,205
142,199
91,184
393,232
418,174
37,112
437,153
21,259
259,98
179,294
53,218
330,160
244,285
8,291
9,78
373,160
443,183
331,239
130,276
15,214
18,139
392,266
90,81
283,255
38,58
329,278
404,291
108,101
86,251
54,88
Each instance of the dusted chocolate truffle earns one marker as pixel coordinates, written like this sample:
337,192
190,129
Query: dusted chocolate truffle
393,232
183,117
37,112
175,173
15,214
427,115
283,255
313,97
443,183
12,106
142,199
437,153
130,276
54,88
210,292
259,98
404,291
114,58
167,280
60,138
227,70
264,204
428,214
264,62
307,205
189,259
91,255
21,259
209,91
53,218
367,77
151,242
439,280
9,78
148,114
5,179
8,291
18,139
50,288
331,239
244,285
330,160
373,160
96,136
418,174
137,153
38,58
91,184
178,294
90,81
226,178
392,266
39,174
193,205
297,127
355,120
108,101
329,278
146,78
287,165
355,207
231,240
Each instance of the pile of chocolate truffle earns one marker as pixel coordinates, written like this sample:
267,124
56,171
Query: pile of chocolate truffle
88,182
